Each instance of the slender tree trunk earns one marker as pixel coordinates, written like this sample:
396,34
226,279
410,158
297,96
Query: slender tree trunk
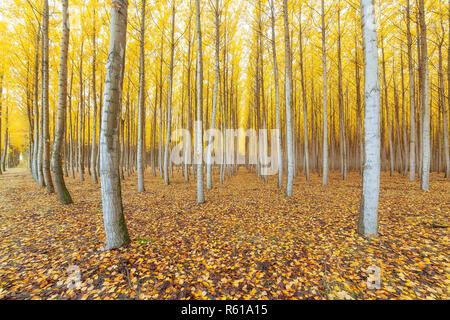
45,99
94,120
359,108
199,129
404,125
216,90
424,99
36,107
277,96
63,193
305,114
141,111
41,179
444,109
187,151
169,101
114,221
342,144
325,117
386,103
80,120
288,88
412,96
368,218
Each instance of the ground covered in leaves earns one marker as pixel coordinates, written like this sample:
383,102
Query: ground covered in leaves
248,241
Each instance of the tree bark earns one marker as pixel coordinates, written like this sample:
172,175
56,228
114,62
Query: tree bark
199,128
141,111
114,221
424,99
325,117
277,96
63,193
288,88
412,96
216,90
169,101
94,99
305,114
45,99
342,142
368,218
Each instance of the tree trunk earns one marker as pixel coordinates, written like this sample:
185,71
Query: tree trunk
216,90
141,111
424,99
368,218
277,96
63,193
94,120
412,96
199,129
114,221
45,99
325,117
342,143
80,120
288,88
386,103
305,114
169,101
36,107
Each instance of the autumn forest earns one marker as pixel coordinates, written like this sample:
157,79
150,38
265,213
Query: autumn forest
223,149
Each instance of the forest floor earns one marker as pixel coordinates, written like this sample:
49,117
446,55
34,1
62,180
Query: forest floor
248,241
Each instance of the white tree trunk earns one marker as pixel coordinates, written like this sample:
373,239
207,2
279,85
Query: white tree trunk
141,112
288,83
424,99
113,219
199,129
368,218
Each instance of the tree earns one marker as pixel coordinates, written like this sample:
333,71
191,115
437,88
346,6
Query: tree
141,111
169,99
94,99
277,95
216,89
63,193
412,96
114,221
424,98
324,97
302,80
368,217
288,88
45,102
36,107
199,129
